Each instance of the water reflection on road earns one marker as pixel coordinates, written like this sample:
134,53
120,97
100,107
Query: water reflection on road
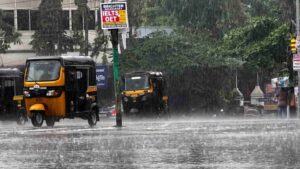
153,143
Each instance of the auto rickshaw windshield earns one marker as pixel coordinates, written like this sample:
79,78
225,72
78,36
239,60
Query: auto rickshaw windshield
43,70
137,83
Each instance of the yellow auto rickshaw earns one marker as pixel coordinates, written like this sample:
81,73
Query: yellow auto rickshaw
60,87
144,92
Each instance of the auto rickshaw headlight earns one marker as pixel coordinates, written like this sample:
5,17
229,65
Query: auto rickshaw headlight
26,93
53,93
125,99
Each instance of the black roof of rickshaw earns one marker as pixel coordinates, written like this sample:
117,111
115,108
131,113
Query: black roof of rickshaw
66,60
139,73
10,72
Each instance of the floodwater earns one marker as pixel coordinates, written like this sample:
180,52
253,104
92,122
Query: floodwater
153,143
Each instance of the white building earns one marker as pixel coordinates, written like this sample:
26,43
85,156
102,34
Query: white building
144,31
23,14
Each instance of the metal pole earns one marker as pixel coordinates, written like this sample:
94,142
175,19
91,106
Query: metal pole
15,16
70,16
86,32
298,51
114,40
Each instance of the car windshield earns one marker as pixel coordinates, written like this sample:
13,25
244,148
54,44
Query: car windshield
136,83
43,70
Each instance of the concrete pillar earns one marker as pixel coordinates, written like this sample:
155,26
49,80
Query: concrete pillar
15,16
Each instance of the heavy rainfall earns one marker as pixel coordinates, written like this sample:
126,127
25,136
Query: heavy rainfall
149,84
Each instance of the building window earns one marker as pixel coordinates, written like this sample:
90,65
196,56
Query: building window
77,20
65,20
8,17
92,21
34,15
23,19
28,19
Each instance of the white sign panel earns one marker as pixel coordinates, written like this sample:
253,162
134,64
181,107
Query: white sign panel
296,62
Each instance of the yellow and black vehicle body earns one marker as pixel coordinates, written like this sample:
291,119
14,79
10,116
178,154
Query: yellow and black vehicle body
60,87
11,97
145,92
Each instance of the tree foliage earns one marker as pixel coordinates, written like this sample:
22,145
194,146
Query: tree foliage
100,45
155,15
210,39
7,33
282,10
135,12
167,52
82,17
50,38
213,16
261,43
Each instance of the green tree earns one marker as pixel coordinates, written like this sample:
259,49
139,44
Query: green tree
256,8
287,10
7,33
261,43
168,52
283,10
135,8
215,16
154,14
217,36
100,45
84,12
50,38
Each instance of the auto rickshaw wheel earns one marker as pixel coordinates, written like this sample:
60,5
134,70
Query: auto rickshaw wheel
37,119
21,117
92,119
50,121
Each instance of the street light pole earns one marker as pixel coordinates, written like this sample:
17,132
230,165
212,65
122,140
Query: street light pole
298,51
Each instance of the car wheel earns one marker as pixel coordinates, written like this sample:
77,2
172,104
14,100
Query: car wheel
92,120
37,119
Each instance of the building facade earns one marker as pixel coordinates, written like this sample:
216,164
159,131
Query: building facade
23,15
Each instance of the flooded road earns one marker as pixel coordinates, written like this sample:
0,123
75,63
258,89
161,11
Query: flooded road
174,143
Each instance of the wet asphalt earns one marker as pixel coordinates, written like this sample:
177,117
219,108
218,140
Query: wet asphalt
153,143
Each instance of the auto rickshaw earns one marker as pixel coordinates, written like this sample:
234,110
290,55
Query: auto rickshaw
58,87
11,97
145,92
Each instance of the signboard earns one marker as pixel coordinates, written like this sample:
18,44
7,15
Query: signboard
296,62
114,15
101,76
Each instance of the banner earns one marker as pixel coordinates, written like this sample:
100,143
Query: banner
101,76
114,15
